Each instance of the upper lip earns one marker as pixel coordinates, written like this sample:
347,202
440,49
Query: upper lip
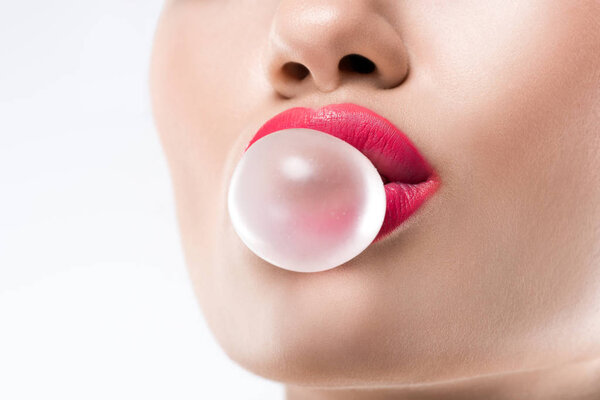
386,146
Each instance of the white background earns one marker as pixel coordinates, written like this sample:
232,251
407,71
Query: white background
95,302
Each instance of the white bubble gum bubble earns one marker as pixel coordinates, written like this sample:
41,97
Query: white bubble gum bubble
305,201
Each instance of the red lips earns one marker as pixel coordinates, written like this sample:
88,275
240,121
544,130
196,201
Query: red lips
409,179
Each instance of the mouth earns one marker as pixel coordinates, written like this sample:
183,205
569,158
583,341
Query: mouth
408,178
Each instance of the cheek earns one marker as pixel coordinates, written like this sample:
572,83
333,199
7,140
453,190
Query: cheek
531,121
197,70
518,89
519,110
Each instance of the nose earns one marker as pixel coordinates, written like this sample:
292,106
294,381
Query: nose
319,44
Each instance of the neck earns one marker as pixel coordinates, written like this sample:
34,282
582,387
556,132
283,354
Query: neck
575,381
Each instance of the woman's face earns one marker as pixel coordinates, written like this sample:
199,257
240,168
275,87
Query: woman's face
498,270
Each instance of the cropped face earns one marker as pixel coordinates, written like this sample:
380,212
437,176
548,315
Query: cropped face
499,270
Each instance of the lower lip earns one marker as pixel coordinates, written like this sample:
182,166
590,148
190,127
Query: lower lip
403,199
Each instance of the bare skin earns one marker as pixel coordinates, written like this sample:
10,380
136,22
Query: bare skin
492,289
579,381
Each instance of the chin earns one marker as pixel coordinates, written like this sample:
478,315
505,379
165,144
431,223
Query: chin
337,328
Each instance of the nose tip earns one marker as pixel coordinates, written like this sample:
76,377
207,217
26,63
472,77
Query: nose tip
319,45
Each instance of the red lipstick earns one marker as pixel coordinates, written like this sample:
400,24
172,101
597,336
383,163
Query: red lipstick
409,180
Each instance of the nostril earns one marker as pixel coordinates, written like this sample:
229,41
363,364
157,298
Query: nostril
295,70
356,63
